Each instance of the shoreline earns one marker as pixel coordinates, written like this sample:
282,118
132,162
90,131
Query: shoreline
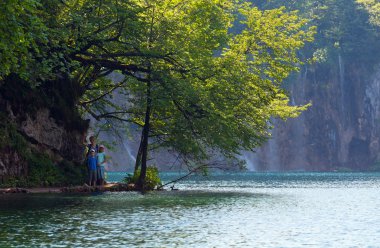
110,187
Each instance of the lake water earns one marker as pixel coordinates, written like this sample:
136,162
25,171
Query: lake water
224,210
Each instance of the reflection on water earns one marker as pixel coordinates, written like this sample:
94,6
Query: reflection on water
226,210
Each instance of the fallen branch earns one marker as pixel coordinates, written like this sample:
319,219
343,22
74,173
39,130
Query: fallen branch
183,177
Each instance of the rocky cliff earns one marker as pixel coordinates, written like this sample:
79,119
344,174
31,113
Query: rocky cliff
40,132
340,130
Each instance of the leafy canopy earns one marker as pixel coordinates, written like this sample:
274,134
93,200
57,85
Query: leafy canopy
205,89
343,28
21,31
210,89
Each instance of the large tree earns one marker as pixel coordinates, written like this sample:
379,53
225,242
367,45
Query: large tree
189,83
194,87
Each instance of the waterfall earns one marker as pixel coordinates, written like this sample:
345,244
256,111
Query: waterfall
372,94
302,80
341,83
274,159
128,149
292,101
120,151
298,127
122,156
251,160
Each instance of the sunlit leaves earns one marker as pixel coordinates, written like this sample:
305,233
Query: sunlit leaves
203,101
211,90
373,8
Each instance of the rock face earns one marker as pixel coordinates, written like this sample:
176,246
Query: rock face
50,137
44,136
11,164
30,124
341,129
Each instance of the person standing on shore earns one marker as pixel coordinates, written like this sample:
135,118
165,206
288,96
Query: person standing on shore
92,164
92,145
101,164
88,149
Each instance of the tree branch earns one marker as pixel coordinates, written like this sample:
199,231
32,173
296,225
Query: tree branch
115,65
183,177
103,95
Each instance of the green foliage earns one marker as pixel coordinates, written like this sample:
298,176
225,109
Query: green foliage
73,174
343,27
18,29
373,8
9,137
152,180
320,55
43,172
15,182
211,91
27,43
201,100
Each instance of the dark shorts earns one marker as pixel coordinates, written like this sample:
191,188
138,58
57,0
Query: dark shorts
93,175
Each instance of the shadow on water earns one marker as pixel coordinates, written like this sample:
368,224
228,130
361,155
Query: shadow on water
78,220
120,200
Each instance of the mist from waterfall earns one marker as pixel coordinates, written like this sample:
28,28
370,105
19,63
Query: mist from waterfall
250,159
270,157
129,152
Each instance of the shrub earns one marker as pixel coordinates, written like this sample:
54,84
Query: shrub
9,137
43,172
15,182
74,174
152,180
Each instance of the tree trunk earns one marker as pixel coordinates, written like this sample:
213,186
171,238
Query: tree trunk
144,139
138,157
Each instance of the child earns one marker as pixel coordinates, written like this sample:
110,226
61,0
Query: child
101,163
91,163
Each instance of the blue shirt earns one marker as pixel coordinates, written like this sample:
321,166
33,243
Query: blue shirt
91,162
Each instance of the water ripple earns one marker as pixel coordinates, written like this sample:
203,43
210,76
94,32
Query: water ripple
226,210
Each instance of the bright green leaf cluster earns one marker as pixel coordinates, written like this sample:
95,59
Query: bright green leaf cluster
373,8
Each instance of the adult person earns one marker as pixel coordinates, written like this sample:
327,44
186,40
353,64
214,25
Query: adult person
89,148
92,145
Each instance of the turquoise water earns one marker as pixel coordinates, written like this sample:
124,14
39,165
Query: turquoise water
224,210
